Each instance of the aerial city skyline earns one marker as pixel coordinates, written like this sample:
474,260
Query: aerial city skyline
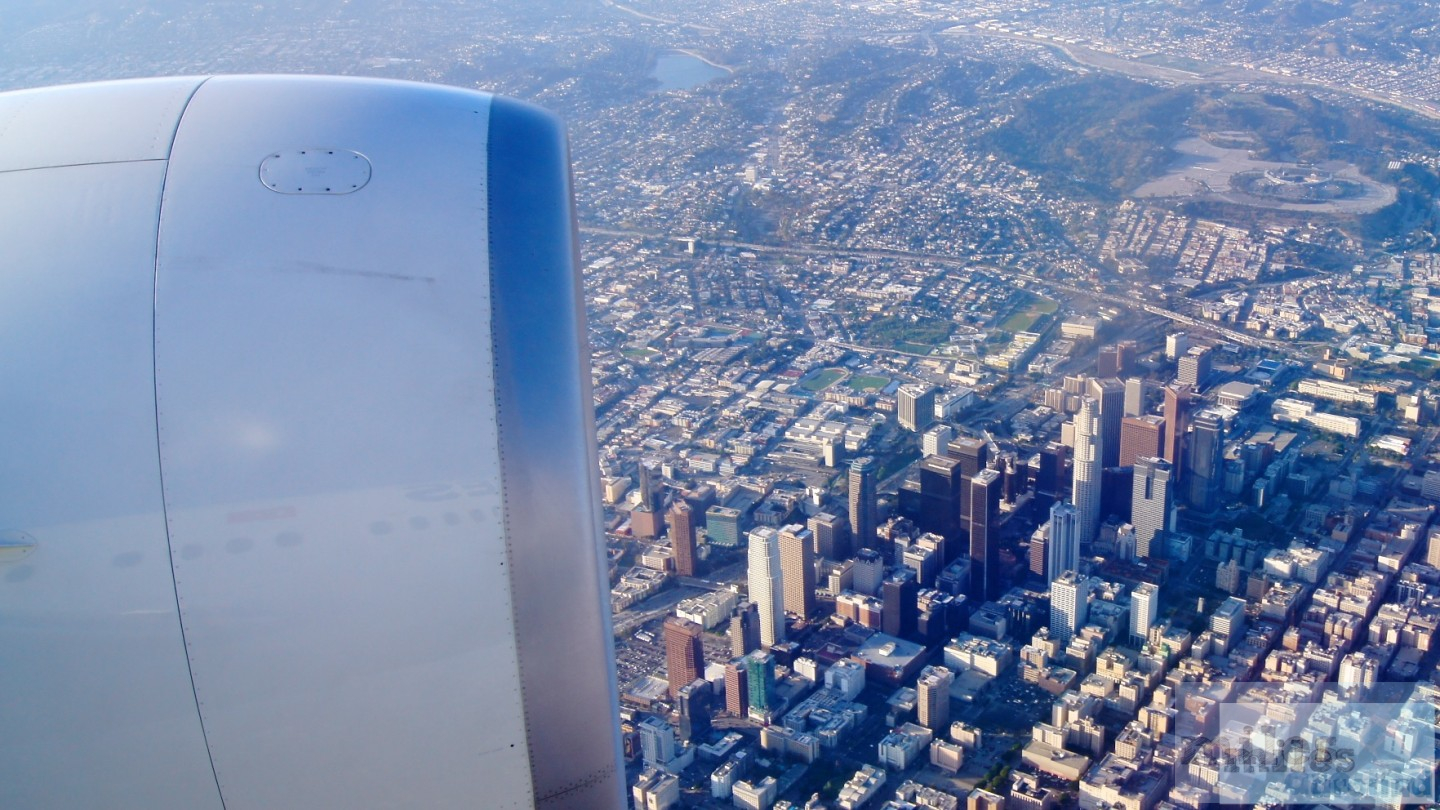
989,397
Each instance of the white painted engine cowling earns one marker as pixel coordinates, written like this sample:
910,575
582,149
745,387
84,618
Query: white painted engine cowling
298,505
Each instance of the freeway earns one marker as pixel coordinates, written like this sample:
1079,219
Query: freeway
1206,72
969,262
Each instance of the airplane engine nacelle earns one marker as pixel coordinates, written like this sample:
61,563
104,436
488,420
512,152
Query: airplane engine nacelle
298,505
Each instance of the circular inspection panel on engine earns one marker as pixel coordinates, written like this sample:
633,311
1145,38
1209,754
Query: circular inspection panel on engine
315,171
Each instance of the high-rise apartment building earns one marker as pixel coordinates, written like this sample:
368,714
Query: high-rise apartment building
1144,608
1069,605
984,546
1150,502
684,655
797,567
862,502
933,698
915,406
764,582
681,518
1087,468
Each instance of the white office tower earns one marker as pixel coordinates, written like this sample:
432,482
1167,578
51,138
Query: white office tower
1144,607
1176,344
915,406
657,742
933,697
1110,394
1063,551
1086,482
1134,396
1149,502
1069,606
764,582
936,440
1227,623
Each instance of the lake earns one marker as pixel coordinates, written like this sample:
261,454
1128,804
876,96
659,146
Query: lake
681,71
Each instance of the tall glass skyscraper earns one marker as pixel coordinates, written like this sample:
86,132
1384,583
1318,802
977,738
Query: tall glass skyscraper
1062,552
862,502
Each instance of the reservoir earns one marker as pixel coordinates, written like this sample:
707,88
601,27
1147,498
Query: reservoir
677,70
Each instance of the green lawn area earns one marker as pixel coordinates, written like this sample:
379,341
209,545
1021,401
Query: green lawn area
861,382
639,354
1024,319
919,335
1020,321
822,380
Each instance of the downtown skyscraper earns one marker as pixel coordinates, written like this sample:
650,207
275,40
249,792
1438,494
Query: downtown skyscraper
1177,421
1087,468
1062,551
797,570
1150,502
1069,605
831,535
684,653
764,582
681,518
862,502
1109,394
1144,609
1204,459
973,453
984,545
